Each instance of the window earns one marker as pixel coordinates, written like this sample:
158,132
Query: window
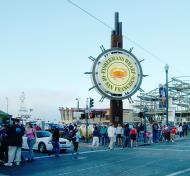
41,134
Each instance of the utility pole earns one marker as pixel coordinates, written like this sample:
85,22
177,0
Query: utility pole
78,99
167,98
7,100
116,106
86,117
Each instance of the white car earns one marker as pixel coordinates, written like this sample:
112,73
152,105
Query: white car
43,142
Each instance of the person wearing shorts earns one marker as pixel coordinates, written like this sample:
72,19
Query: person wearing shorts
133,136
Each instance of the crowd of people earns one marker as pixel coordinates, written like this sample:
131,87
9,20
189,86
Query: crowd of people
11,140
132,135
106,135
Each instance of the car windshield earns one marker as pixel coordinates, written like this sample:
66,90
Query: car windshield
41,134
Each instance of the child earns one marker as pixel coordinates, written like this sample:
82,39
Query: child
173,132
133,136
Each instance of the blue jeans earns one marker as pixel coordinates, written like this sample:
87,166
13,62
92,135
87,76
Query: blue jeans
31,143
141,136
104,139
56,148
155,136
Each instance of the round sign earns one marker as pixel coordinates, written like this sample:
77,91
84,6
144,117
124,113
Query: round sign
117,74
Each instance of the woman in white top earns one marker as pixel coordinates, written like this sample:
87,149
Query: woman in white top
180,130
119,135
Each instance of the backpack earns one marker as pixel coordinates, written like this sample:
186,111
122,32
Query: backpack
71,134
133,131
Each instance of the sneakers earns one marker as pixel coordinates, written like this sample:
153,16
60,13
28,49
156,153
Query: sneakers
17,163
8,164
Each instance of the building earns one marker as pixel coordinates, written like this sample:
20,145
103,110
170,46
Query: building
69,115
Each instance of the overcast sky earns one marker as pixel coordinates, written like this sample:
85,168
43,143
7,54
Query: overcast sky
44,48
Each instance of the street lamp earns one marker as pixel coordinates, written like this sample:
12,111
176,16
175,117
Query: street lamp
77,99
166,70
7,100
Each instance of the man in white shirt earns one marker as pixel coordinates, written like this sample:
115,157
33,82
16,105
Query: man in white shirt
111,133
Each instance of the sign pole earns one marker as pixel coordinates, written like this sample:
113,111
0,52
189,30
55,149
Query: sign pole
116,106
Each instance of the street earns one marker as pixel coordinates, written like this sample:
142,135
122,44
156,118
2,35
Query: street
167,159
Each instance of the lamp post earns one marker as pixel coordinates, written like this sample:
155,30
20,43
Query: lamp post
166,70
77,99
86,118
7,100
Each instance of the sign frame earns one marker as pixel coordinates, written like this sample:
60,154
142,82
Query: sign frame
96,72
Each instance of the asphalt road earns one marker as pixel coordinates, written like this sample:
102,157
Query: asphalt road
168,159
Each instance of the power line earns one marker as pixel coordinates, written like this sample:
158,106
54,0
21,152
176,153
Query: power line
132,41
89,14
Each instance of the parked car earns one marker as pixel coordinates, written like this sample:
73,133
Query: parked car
43,142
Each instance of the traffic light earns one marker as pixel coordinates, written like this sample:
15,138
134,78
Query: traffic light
91,102
91,115
82,116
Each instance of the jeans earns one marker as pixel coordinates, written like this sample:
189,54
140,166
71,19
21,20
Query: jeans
14,154
104,139
31,143
76,146
155,136
111,142
56,148
141,136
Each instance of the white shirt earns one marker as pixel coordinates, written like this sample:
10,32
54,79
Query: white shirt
119,130
111,131
180,129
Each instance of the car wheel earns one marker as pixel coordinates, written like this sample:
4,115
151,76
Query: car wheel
42,147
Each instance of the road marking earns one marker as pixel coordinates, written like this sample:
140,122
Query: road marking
85,152
81,157
179,172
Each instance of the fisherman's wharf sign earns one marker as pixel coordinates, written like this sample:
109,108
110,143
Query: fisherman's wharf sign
117,74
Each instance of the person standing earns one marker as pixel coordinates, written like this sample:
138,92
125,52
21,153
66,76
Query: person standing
3,144
14,141
126,142
75,140
31,139
111,135
155,132
180,130
119,135
104,135
133,137
185,128
95,135
173,132
55,142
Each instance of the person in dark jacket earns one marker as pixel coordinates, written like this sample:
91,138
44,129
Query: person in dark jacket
127,136
55,142
3,144
75,140
14,141
95,139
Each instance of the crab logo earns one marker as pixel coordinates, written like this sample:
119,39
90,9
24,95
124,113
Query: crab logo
118,73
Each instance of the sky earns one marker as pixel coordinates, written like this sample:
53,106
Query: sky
45,45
